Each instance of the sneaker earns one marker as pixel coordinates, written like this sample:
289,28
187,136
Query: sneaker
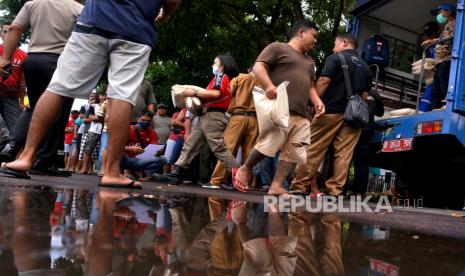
210,186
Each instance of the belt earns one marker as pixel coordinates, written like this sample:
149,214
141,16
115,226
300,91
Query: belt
245,113
215,109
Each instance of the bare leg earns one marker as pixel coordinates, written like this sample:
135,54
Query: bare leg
245,171
85,164
283,171
118,132
104,162
66,161
43,117
71,163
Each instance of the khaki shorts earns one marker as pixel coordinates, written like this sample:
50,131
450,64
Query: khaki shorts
292,141
83,62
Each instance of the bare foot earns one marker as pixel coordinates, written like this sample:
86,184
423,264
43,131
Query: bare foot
278,190
238,212
121,180
242,178
19,165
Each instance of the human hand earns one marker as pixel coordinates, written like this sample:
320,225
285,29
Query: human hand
427,42
189,92
5,69
136,149
319,109
162,17
271,93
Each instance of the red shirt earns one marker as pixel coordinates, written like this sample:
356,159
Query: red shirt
69,135
220,83
148,136
10,86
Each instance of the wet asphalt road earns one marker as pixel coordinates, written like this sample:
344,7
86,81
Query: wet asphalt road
422,220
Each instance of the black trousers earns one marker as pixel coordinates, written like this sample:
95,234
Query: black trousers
362,162
440,84
38,71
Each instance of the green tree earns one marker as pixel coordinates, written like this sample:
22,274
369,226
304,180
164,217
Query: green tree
202,29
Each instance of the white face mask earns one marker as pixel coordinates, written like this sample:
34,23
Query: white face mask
215,70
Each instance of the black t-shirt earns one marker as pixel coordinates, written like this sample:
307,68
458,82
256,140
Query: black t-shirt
335,97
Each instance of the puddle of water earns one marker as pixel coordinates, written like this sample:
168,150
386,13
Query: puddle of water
77,232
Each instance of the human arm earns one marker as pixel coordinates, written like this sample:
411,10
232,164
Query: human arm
260,70
317,102
322,84
134,149
150,100
179,120
10,44
70,129
218,88
169,7
76,129
206,95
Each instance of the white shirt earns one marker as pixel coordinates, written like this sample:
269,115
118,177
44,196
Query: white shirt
96,127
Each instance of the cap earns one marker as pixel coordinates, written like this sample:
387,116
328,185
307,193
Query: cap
446,6
162,105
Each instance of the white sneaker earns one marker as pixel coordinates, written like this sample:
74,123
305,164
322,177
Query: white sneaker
210,186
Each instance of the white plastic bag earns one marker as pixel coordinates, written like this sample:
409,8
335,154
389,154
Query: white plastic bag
272,113
192,104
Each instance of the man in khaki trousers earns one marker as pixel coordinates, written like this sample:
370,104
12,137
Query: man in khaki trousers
330,129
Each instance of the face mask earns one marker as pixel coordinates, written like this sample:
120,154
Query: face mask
216,70
143,125
441,19
74,117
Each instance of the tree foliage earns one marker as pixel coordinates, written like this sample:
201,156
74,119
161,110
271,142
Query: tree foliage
202,29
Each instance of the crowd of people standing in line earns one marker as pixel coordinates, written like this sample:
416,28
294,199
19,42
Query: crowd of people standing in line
72,59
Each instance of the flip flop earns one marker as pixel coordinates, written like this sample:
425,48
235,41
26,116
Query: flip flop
12,172
238,185
130,185
233,205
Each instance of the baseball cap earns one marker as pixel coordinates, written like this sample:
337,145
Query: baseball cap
446,6
162,105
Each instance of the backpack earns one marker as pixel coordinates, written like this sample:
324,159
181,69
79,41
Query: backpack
376,51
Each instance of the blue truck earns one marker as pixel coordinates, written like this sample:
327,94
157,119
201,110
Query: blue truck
425,150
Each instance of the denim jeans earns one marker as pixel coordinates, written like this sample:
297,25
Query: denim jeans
149,166
267,169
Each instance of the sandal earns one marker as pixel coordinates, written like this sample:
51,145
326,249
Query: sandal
238,185
130,185
233,205
15,173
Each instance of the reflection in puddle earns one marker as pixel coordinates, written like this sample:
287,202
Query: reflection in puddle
76,232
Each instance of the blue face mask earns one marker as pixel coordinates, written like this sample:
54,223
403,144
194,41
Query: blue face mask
441,19
143,125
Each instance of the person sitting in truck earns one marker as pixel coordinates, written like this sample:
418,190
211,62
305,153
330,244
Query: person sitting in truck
431,31
445,15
